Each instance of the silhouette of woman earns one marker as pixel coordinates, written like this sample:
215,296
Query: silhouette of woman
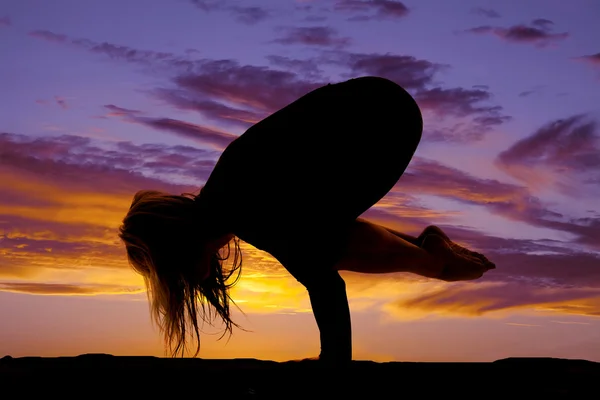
293,185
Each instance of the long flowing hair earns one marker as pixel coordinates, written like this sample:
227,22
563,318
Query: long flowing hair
163,236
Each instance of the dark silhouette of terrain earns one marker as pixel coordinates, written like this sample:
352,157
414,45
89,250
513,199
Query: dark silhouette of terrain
93,375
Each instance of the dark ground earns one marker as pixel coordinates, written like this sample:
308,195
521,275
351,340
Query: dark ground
95,375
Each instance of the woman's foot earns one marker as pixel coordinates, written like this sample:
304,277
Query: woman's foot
432,229
457,266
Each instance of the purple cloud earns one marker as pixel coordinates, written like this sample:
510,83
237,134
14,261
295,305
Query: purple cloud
250,15
417,76
592,59
365,10
115,52
119,111
245,14
259,88
486,12
5,21
513,202
239,95
313,36
409,72
543,23
63,196
49,36
308,68
76,160
207,5
567,148
537,33
461,103
211,109
219,140
201,134
61,102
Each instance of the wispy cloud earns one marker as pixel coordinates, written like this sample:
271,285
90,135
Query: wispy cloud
474,118
250,15
62,289
560,153
514,202
57,100
115,111
479,299
591,59
245,14
538,33
5,21
198,133
486,12
63,198
308,68
462,102
62,102
407,71
238,95
115,52
365,10
324,36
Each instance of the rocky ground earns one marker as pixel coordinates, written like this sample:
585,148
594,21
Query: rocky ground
102,375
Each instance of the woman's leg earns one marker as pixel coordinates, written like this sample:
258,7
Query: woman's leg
371,248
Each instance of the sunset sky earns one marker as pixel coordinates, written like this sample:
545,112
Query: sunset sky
103,98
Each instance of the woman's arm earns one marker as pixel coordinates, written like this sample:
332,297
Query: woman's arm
327,293
332,313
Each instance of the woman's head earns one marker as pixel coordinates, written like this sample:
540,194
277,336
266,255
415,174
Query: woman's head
178,252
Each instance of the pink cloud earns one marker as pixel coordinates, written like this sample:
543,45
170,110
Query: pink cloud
510,201
115,111
198,133
260,88
211,109
219,140
591,59
49,36
61,102
559,153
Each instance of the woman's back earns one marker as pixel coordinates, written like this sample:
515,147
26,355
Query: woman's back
328,156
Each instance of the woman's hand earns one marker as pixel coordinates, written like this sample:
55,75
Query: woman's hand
306,359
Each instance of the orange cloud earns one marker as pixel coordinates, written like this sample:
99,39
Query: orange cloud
65,289
476,299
